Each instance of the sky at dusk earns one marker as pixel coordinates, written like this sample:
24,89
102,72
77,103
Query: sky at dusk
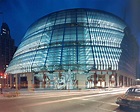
20,14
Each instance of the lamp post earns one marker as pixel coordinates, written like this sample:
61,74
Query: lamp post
1,82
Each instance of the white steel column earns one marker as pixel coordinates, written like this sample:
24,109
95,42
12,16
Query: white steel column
124,84
19,81
16,76
7,80
81,81
30,79
118,80
11,80
107,80
131,81
128,81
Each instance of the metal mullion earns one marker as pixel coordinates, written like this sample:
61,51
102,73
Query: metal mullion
50,41
38,45
63,40
76,41
90,40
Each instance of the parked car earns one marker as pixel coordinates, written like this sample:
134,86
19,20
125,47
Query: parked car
130,99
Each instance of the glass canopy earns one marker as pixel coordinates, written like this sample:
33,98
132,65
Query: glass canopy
74,39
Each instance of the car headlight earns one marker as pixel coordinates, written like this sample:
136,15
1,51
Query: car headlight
119,99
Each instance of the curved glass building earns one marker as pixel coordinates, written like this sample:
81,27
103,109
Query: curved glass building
76,48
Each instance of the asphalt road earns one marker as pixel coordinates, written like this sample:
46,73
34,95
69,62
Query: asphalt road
83,101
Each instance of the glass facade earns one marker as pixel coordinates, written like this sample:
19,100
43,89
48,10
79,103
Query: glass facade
74,39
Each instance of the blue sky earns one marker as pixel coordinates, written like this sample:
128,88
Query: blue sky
20,14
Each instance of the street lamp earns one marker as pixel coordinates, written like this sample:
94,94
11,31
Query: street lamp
1,82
